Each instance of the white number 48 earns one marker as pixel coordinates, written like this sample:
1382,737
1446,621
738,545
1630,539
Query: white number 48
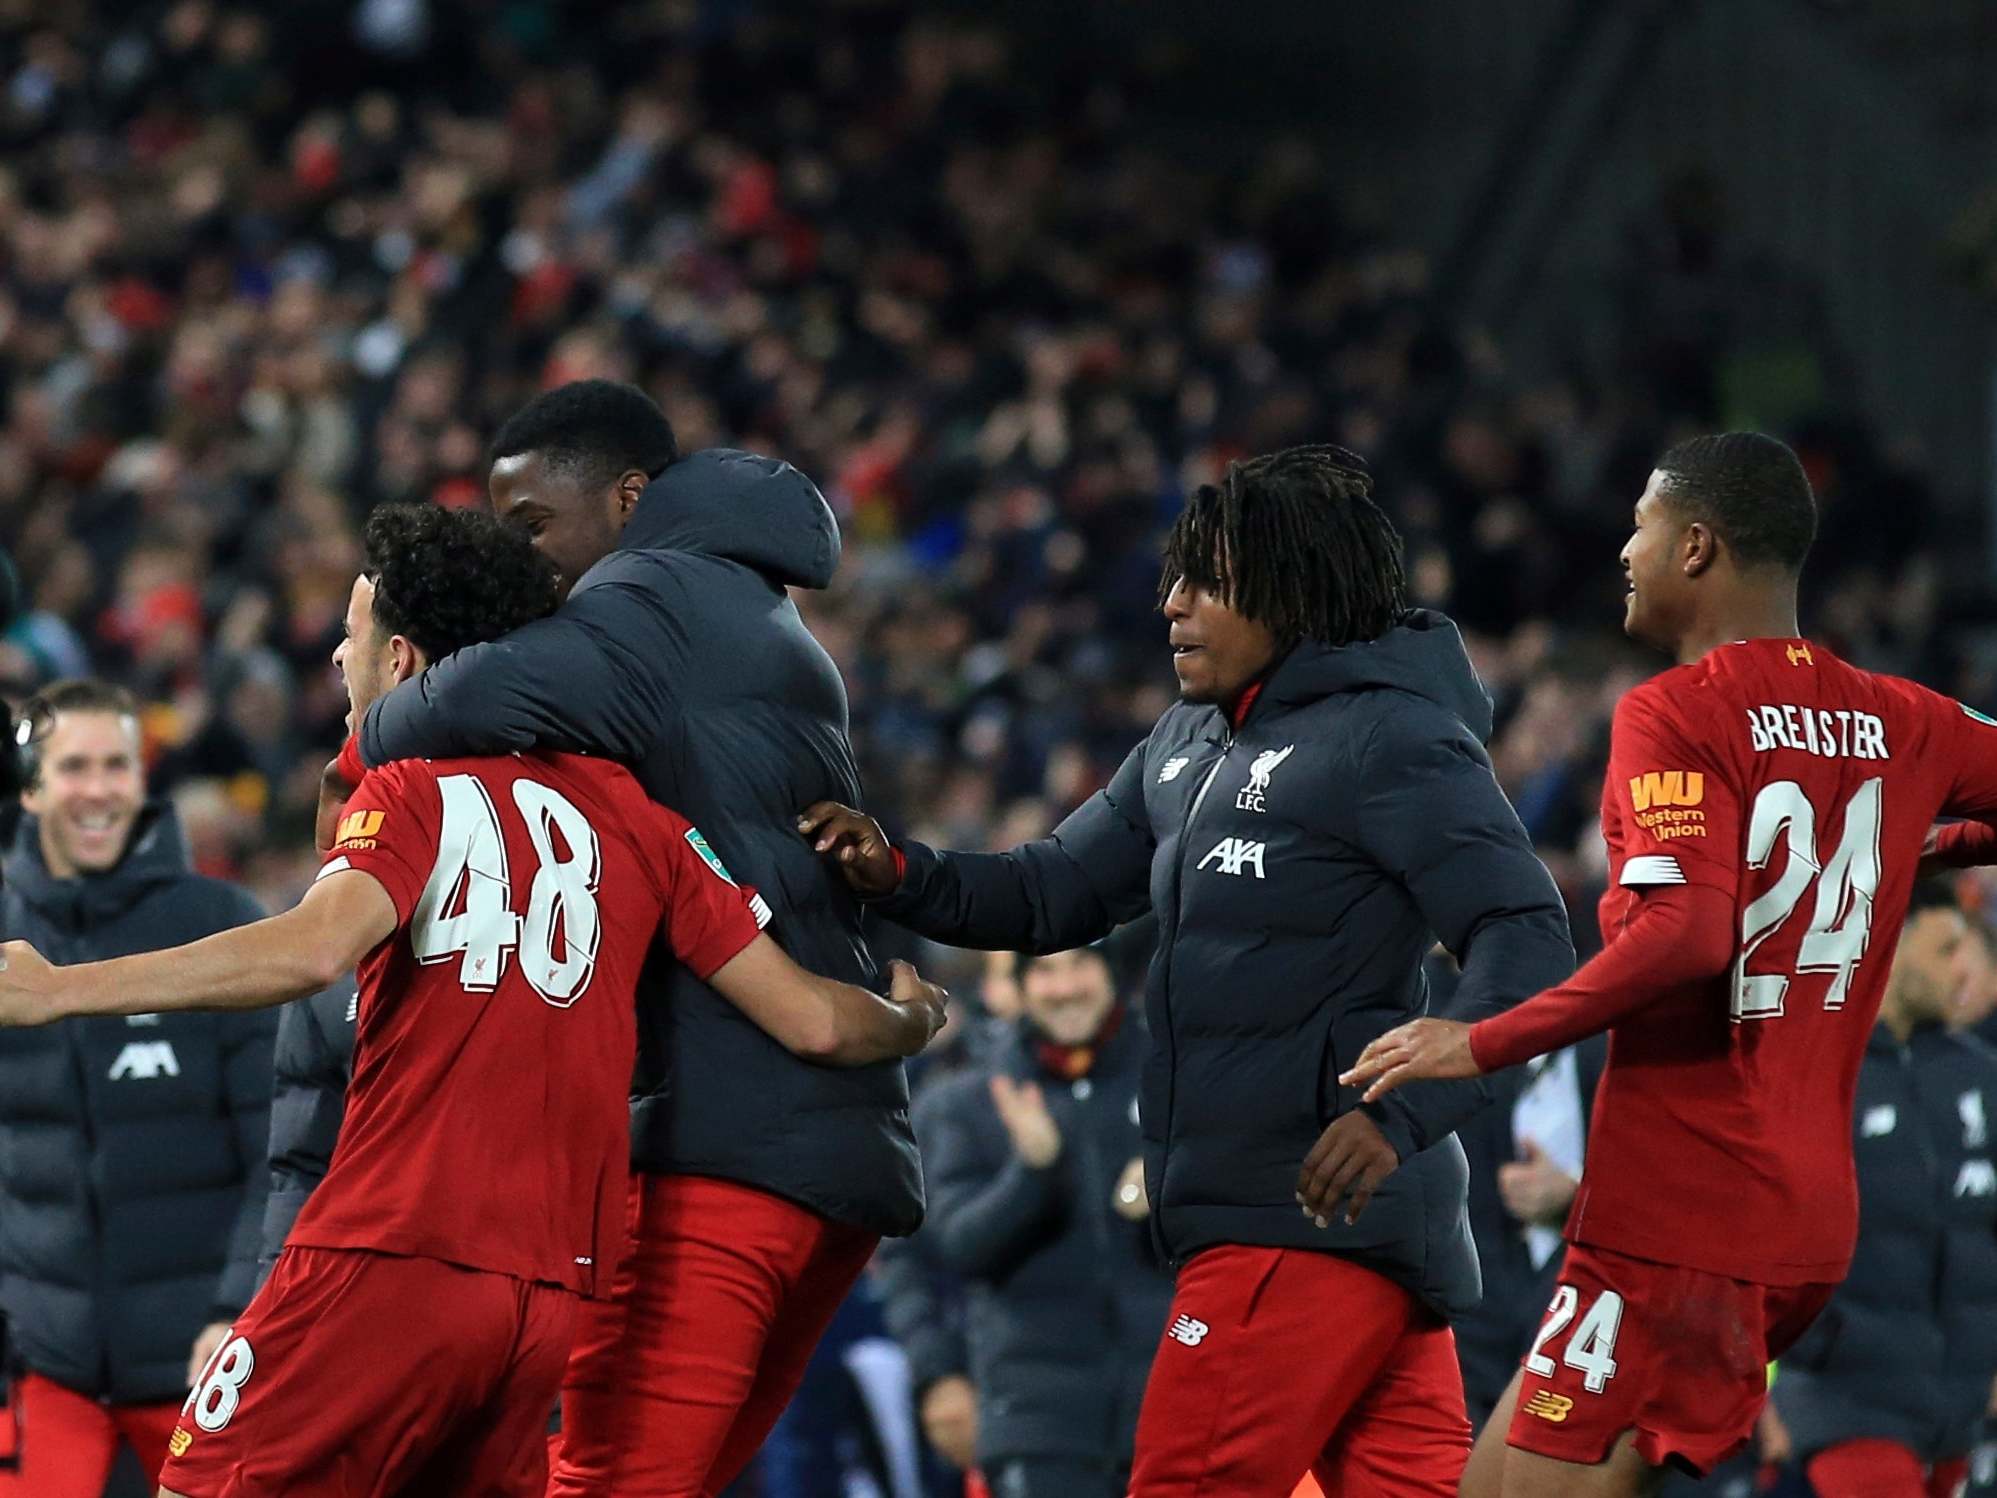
466,910
1591,1349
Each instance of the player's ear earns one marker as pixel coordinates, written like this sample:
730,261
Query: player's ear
1700,548
405,660
628,489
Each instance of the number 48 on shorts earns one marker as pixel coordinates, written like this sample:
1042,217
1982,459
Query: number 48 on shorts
213,1400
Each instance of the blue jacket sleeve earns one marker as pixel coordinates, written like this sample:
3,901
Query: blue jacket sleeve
308,1104
1430,812
246,1089
595,676
1065,890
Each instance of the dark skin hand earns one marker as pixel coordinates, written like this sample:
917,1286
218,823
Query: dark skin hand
1349,1161
856,843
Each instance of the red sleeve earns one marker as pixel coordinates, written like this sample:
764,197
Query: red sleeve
709,917
1966,845
1674,797
390,829
1679,936
1973,791
352,767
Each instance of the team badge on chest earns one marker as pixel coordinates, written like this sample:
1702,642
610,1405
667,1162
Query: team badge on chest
1249,798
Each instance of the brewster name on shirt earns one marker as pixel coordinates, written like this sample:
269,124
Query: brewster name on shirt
1842,734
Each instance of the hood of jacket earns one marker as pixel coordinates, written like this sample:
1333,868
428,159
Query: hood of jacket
757,511
1423,655
156,855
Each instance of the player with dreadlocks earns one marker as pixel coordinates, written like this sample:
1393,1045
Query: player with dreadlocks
1313,814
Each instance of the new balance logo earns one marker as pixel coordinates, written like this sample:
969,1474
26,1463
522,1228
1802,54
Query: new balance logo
1188,1332
1549,1406
1265,765
353,1006
1172,767
1975,1127
1233,854
144,1060
1976,1178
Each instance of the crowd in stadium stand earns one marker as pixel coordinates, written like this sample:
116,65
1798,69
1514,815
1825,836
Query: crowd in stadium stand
262,270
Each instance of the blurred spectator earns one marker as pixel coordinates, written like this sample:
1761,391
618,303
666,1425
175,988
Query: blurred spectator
132,1175
1886,1394
1525,1153
923,1305
1037,1200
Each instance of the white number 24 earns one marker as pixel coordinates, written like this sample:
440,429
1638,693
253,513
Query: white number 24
1841,923
471,873
1591,1350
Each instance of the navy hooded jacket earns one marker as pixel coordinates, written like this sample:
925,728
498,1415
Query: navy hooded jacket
683,655
1299,869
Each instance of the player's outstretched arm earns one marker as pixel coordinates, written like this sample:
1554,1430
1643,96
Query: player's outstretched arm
341,919
823,1020
1075,886
1681,934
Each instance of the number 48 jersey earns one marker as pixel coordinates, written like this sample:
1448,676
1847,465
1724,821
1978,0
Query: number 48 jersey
1802,788
486,1120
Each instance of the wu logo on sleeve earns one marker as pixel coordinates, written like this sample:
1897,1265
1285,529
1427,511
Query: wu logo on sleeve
1266,764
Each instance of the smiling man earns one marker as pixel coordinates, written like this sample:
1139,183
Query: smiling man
131,1150
1314,813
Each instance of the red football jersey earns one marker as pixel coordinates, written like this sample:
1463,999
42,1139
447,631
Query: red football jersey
1802,788
486,1120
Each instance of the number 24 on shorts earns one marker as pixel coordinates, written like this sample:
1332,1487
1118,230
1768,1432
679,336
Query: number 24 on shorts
1591,1348
213,1400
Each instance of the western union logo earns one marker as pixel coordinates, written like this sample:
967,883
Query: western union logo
179,1441
357,826
1549,1406
1667,788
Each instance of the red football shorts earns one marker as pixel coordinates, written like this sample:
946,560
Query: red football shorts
1882,1469
721,1295
356,1374
1280,1361
1677,1355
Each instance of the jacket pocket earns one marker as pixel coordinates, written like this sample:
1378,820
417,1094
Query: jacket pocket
1324,1084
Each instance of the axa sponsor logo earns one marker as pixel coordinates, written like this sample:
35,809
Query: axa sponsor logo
145,1060
1265,764
1188,1331
1235,855
1976,1178
1879,1121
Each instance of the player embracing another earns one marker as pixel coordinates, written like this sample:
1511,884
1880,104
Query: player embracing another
413,1334
1765,810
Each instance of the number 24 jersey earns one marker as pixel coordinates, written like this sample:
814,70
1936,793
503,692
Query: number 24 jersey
487,1120
1803,789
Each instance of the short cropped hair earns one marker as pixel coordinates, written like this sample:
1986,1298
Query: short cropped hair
592,430
1751,490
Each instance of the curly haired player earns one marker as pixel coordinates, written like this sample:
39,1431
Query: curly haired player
413,1335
